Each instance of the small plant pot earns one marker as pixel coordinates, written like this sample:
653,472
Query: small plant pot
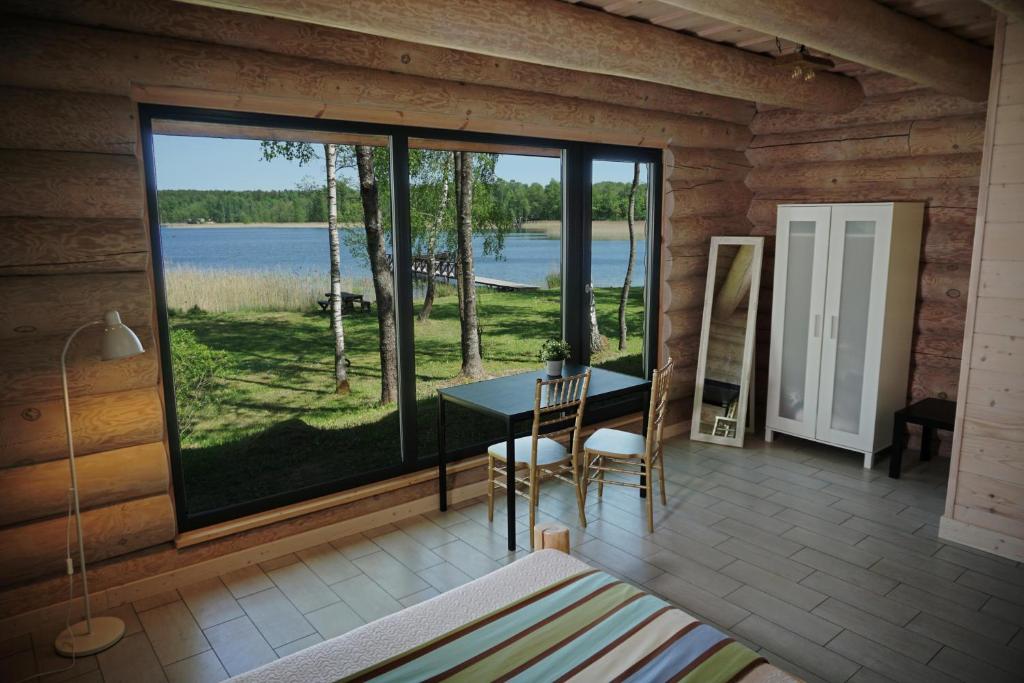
555,368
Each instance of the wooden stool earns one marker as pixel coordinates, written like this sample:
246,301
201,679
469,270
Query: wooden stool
551,536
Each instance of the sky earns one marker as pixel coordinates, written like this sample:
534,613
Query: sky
185,163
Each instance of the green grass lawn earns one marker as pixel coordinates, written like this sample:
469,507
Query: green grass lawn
273,423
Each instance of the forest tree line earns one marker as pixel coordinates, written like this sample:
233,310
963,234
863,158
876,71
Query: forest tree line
525,202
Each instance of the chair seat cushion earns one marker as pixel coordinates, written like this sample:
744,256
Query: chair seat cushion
548,451
614,442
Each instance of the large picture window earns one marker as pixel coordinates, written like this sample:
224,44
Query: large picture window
319,281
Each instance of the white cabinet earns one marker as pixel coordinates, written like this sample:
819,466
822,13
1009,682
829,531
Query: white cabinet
842,321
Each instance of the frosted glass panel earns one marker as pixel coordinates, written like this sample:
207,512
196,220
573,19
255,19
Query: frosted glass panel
799,270
854,305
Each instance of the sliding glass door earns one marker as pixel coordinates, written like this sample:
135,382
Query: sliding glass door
318,281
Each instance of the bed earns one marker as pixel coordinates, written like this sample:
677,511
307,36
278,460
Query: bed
545,617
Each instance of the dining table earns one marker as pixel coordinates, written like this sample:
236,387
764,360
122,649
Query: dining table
510,398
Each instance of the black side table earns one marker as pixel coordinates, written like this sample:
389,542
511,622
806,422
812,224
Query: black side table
931,414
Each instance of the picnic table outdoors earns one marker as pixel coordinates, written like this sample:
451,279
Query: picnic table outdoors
349,302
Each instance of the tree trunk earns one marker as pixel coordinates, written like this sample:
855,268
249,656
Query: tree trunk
472,365
435,229
381,272
597,342
340,371
624,298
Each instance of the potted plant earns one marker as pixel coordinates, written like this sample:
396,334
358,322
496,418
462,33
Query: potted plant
555,352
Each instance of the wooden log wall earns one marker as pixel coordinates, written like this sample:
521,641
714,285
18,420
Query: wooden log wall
74,240
985,499
704,196
74,243
903,144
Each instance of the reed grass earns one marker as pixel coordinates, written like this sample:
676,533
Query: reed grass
227,290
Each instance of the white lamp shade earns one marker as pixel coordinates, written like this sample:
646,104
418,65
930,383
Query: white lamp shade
118,340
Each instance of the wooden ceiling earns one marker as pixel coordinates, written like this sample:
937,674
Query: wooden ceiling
969,19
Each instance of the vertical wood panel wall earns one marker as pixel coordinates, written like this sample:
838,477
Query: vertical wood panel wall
985,500
903,144
74,241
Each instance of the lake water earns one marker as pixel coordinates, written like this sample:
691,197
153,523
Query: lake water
527,257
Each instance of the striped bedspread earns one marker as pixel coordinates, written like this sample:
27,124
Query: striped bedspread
588,627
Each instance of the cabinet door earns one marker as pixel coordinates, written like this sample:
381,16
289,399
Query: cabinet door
801,256
854,312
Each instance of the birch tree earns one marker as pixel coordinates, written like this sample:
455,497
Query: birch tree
628,281
472,363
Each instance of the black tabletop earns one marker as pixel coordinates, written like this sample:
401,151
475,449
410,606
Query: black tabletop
512,396
937,411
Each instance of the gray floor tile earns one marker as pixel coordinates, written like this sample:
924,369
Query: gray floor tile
830,546
881,606
773,584
417,598
304,588
808,481
210,602
1011,592
297,645
998,567
239,645
692,529
841,569
697,601
753,503
368,599
991,627
621,562
770,525
334,620
959,638
358,545
794,491
761,539
393,576
276,617
881,631
328,563
713,581
173,632
425,531
829,514
706,554
967,668
821,526
467,558
777,564
132,659
815,658
797,620
875,515
886,661
407,550
157,600
962,595
246,581
897,553
204,667
923,546
444,576
1007,611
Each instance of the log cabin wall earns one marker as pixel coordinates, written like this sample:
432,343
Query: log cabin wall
74,242
903,144
985,498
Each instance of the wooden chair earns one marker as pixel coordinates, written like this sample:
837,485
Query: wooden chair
558,411
632,454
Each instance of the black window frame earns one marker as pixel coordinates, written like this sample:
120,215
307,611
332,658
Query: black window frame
577,160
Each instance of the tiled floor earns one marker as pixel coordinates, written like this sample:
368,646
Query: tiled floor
833,573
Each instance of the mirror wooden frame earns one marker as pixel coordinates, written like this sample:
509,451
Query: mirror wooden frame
746,371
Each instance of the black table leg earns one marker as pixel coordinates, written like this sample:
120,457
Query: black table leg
442,467
927,437
899,425
643,430
510,484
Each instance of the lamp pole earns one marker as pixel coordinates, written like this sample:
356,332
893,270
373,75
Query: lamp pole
92,635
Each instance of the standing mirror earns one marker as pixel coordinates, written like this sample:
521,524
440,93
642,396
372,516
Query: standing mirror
726,357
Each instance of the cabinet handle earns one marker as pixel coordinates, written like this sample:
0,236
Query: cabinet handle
833,327
817,325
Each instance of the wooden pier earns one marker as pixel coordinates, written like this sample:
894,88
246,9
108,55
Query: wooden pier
444,269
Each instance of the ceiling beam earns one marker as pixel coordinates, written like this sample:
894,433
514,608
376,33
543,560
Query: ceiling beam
558,34
209,25
1012,8
868,33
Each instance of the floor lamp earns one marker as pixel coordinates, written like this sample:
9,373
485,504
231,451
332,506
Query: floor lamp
91,635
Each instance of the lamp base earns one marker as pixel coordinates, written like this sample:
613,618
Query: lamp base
80,640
